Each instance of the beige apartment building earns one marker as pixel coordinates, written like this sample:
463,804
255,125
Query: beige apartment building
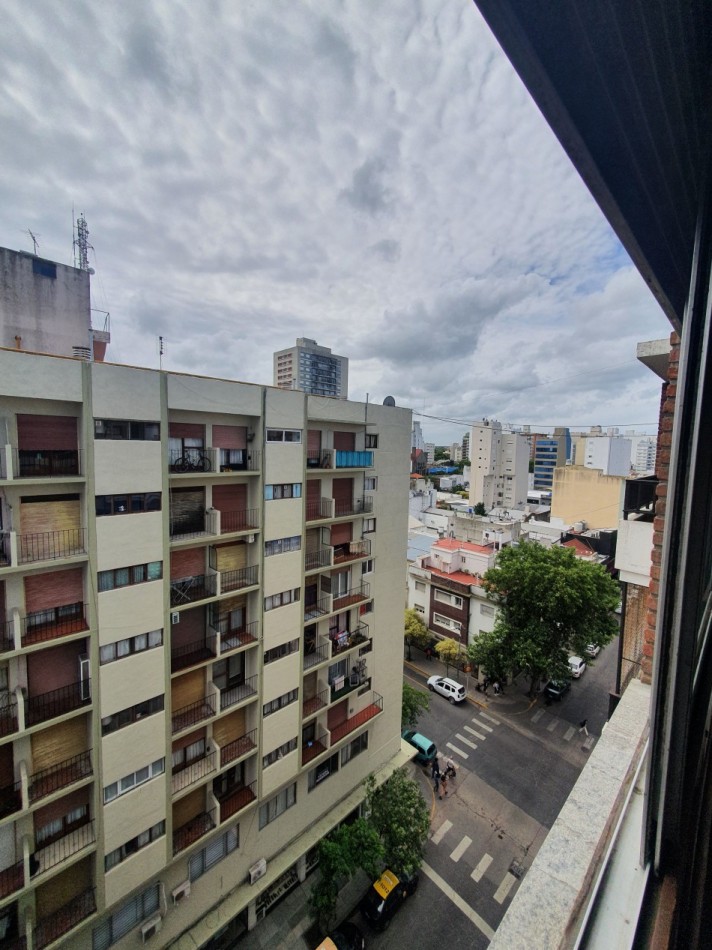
200,649
586,495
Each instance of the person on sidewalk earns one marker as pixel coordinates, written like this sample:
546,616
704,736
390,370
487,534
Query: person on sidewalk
436,778
583,726
449,772
443,786
428,654
435,767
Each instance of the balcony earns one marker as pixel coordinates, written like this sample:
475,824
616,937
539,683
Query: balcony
239,579
348,640
62,849
64,919
194,526
234,521
249,462
5,548
193,772
191,654
192,831
238,694
313,705
352,506
10,799
235,800
318,560
238,748
354,595
188,716
320,458
346,459
44,625
234,639
314,655
188,590
373,708
191,461
57,702
12,879
45,463
51,545
59,776
8,719
353,551
312,748
7,636
343,685
317,608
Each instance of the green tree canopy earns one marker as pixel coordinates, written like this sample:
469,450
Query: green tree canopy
448,650
480,508
551,605
398,812
415,630
414,702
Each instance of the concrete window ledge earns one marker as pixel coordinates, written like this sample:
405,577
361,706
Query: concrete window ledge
566,892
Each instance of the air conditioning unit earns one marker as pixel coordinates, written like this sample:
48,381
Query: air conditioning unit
181,892
251,538
175,617
258,870
151,927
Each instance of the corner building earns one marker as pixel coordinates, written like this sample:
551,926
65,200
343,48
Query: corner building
200,646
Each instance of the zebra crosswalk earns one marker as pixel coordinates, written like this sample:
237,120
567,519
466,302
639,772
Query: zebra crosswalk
559,728
483,725
462,848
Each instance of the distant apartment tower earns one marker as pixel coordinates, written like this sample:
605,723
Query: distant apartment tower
609,454
550,453
466,445
643,454
499,466
416,438
455,452
312,369
429,449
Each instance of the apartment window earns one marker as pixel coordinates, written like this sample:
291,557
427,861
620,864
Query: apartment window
127,429
282,599
279,752
446,622
369,525
182,758
371,440
127,504
278,805
419,609
284,649
280,702
127,576
128,716
135,844
133,780
354,748
284,435
370,483
61,826
367,566
487,610
44,268
126,918
419,585
283,545
214,853
129,646
323,771
275,492
446,598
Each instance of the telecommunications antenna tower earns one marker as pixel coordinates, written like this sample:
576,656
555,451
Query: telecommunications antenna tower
82,245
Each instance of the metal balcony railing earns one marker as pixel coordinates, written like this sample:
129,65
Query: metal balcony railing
236,799
64,919
56,622
57,702
320,458
62,849
238,579
187,590
369,711
351,551
318,510
352,596
238,748
11,879
7,636
8,719
249,462
311,748
247,520
190,654
45,463
343,685
193,772
189,715
61,775
193,525
315,655
190,460
352,506
314,560
192,831
10,799
352,639
4,548
317,608
230,640
311,706
238,694
51,545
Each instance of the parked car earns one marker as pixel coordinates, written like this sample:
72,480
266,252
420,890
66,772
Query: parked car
555,689
346,937
577,665
385,896
427,750
447,687
593,649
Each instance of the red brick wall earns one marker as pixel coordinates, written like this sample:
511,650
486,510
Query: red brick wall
53,589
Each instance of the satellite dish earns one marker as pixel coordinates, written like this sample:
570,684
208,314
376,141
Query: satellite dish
389,401
91,271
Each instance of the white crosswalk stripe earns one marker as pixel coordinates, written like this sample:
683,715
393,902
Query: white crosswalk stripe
537,715
505,887
485,862
552,725
482,725
569,734
441,832
461,848
489,718
474,733
468,742
465,755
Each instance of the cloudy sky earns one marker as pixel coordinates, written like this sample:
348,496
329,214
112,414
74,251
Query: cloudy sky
369,174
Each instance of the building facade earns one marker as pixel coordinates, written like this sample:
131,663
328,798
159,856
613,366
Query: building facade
550,453
313,369
197,578
499,466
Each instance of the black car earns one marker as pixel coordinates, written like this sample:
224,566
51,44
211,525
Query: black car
385,896
555,689
346,937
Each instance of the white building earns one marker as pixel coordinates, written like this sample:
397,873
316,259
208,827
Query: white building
417,441
610,454
456,452
429,449
499,466
643,454
312,369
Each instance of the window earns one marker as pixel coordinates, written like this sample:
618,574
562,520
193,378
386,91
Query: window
367,566
214,853
419,609
126,918
323,771
44,268
280,702
419,585
135,844
371,440
128,716
280,600
354,748
284,435
369,525
127,504
487,609
129,646
446,598
126,429
278,805
370,483
133,780
275,492
182,758
127,576
284,649
279,752
447,622
283,545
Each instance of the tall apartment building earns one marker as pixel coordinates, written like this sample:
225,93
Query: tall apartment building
610,454
312,369
499,466
466,445
550,453
416,438
199,580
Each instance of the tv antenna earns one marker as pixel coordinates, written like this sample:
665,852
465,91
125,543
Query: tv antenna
82,245
34,240
160,352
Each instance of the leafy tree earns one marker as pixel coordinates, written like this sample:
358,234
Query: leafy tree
448,650
480,508
415,631
414,702
341,853
399,814
551,604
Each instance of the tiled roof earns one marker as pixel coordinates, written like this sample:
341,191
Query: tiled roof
451,544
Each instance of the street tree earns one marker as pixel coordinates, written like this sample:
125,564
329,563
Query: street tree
414,702
398,812
341,853
448,650
415,632
551,605
480,509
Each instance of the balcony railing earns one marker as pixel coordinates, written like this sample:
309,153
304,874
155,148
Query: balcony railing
249,462
190,654
4,548
8,719
64,919
351,640
7,636
51,545
11,879
246,520
318,608
352,506
311,748
45,463
193,772
238,748
315,655
238,579
318,510
192,830
311,706
314,560
193,526
351,551
62,849
231,640
320,458
58,776
238,694
186,590
51,624
354,595
343,685
372,709
10,799
57,702
346,459
235,800
191,460
194,713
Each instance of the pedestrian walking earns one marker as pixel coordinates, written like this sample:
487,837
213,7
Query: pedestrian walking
443,786
436,778
583,726
428,654
435,768
496,687
485,685
450,769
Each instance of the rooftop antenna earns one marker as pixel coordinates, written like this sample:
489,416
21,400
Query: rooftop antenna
82,245
34,240
160,352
